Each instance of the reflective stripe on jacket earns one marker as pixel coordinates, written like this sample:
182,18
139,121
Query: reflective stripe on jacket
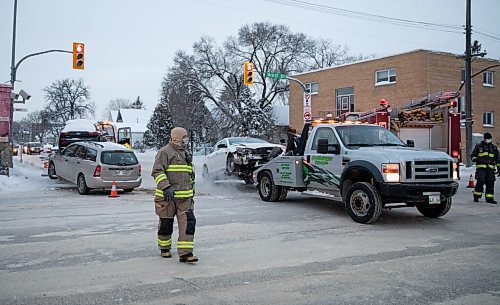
171,169
485,155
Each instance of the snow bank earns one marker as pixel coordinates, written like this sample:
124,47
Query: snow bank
80,125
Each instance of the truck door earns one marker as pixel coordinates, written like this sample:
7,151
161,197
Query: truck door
125,133
322,171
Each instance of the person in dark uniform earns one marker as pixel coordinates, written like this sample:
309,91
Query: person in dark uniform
486,156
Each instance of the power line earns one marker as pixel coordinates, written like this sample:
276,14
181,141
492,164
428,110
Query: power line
370,17
487,35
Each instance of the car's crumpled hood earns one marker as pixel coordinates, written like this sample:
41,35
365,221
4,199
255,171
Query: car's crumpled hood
256,145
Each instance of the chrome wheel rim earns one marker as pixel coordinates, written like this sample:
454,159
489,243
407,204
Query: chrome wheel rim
360,203
265,186
81,183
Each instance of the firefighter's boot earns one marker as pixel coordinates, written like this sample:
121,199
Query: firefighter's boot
491,201
165,253
188,258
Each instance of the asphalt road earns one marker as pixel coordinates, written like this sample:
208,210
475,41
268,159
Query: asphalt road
57,247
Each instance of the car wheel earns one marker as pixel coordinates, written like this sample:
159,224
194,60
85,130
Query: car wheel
268,191
230,165
52,171
363,203
434,210
128,190
81,185
205,174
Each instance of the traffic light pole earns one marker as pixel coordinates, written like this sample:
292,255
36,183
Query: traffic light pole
299,82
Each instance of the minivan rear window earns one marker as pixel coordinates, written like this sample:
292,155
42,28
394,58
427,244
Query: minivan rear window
118,157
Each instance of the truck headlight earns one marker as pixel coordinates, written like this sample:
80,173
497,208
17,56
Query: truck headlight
390,172
455,173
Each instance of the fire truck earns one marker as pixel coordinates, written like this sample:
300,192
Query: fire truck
430,122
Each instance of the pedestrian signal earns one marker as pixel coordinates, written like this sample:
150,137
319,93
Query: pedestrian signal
78,55
248,73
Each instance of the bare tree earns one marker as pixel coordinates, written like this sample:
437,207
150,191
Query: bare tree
68,99
36,124
118,103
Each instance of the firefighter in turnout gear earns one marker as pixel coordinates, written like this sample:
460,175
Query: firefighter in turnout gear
174,175
486,156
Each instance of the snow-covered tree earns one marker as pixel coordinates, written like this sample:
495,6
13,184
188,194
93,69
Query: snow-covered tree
188,108
138,104
254,121
159,126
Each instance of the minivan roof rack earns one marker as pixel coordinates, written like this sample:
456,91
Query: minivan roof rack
97,144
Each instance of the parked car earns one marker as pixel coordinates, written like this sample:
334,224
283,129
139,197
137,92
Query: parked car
15,149
32,148
238,156
95,165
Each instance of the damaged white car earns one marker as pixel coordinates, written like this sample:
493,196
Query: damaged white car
239,157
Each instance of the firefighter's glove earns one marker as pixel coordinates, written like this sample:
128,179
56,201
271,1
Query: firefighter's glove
168,194
498,171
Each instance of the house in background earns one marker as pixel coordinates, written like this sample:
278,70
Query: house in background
136,119
281,118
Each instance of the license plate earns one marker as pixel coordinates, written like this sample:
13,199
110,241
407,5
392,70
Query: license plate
120,173
434,199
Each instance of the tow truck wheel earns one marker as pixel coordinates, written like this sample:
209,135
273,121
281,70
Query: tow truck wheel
52,171
268,191
363,203
283,193
434,210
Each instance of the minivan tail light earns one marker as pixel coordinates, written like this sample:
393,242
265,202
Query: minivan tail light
140,169
97,171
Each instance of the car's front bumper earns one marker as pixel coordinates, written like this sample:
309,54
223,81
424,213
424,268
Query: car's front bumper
413,193
100,183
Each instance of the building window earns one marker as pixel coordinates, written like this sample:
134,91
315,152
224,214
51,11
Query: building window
312,88
384,77
488,79
344,100
487,119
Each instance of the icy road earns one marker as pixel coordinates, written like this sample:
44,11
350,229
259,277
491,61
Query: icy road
57,247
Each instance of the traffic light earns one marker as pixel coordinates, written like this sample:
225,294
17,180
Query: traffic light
248,73
78,55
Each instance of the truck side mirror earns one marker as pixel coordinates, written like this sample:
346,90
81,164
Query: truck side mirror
322,146
410,143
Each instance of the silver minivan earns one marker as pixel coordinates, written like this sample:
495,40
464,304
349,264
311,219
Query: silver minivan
95,165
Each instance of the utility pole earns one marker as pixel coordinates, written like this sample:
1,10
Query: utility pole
12,79
468,85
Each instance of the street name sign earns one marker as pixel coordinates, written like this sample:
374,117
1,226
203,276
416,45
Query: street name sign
276,75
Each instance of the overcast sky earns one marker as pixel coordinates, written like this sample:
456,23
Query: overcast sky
130,44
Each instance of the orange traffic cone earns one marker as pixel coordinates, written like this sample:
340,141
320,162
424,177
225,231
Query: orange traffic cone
113,193
471,183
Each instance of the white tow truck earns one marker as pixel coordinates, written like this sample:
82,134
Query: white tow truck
364,165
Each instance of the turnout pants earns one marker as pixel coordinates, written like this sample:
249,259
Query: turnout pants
485,176
183,209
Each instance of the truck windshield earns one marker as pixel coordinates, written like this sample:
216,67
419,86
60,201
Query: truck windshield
367,135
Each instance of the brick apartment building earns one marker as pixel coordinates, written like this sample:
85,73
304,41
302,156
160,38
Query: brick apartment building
399,79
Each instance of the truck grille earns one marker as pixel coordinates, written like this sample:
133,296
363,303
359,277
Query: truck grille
431,169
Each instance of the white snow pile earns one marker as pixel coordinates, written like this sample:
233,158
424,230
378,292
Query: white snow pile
80,125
